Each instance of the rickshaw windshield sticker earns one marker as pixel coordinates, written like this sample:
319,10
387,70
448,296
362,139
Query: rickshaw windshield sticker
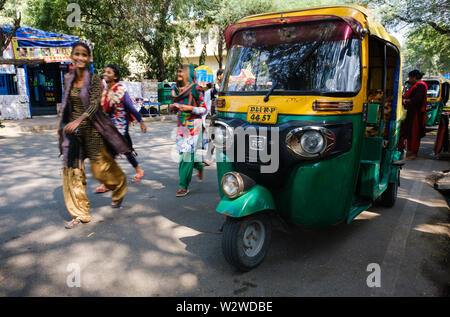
287,34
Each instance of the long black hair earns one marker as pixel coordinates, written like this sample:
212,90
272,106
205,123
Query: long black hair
115,70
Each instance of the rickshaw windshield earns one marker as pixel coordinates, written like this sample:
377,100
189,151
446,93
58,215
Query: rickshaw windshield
433,89
322,57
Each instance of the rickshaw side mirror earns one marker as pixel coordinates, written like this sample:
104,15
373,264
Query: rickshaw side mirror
372,113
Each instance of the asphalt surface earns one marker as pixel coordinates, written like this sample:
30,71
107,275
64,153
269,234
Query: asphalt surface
160,245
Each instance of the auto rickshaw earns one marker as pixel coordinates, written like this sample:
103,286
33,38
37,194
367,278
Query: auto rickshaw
437,97
307,124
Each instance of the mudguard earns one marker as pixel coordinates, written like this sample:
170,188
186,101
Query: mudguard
257,199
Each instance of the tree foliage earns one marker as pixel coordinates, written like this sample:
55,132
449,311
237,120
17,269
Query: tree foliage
109,45
5,37
427,25
155,27
218,14
427,50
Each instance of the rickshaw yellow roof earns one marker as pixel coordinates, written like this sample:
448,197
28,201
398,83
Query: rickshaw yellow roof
440,79
359,13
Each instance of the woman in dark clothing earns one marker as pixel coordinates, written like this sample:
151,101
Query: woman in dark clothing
413,127
85,131
117,104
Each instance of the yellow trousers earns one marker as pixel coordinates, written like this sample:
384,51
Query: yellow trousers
105,170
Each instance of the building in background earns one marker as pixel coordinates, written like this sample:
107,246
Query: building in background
191,51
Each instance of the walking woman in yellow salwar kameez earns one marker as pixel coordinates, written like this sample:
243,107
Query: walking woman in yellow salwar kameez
85,132
189,104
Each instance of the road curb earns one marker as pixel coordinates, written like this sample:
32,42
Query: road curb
14,127
163,118
40,128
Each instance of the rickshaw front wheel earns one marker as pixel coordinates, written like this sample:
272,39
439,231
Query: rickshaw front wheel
245,241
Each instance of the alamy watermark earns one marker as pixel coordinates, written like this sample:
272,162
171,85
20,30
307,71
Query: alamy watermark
374,278
74,277
242,145
74,18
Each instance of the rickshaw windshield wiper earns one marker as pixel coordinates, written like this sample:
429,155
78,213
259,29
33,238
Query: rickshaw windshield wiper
300,63
275,83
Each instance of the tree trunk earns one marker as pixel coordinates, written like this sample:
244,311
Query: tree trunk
159,41
161,75
5,38
220,44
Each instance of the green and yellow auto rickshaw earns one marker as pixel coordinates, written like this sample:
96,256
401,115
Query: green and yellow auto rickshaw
437,97
307,123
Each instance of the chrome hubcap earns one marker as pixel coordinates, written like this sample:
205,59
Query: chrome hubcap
254,236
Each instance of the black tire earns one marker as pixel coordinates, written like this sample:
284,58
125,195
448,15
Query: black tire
153,112
233,247
389,196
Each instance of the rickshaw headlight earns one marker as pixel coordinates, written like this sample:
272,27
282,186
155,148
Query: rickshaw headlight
310,142
221,135
232,184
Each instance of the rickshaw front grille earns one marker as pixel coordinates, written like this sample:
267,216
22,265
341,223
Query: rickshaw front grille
273,147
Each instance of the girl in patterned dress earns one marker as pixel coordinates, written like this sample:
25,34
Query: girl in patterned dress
118,106
190,106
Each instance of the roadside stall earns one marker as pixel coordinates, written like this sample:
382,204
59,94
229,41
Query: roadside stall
44,58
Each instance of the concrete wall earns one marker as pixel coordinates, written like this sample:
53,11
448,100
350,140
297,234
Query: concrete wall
134,88
16,107
190,51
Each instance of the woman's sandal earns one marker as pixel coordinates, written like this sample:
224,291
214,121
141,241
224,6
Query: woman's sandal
72,224
102,189
116,203
182,192
137,177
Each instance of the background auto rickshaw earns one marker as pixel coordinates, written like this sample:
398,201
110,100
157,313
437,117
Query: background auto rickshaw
317,90
437,97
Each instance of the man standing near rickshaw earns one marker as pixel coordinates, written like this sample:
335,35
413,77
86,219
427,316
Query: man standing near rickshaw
415,102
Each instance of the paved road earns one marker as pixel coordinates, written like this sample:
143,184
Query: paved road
160,245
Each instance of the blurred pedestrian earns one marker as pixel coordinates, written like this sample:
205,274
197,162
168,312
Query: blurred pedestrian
189,104
117,104
413,127
206,142
216,88
85,132
210,96
1,122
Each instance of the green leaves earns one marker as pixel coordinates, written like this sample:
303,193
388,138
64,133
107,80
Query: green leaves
152,30
427,25
428,50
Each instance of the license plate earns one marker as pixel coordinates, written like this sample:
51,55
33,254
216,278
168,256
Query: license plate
262,114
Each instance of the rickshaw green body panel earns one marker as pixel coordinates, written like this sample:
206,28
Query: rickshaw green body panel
257,199
319,193
434,114
327,180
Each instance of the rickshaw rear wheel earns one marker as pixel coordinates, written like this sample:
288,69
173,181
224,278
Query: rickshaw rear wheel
245,241
389,197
